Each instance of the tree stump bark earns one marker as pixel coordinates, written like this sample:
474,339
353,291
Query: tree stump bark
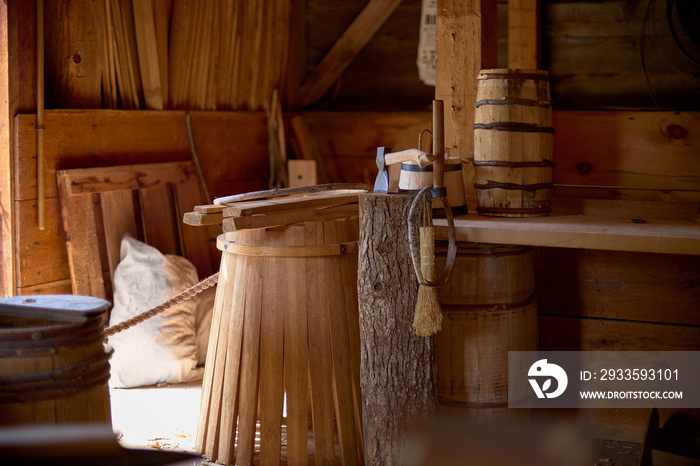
396,374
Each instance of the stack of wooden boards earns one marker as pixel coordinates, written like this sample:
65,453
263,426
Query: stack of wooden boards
285,328
268,209
180,54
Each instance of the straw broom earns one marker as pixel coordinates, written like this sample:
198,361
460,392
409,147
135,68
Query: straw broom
427,319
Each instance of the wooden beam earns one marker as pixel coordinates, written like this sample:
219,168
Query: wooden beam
6,166
523,34
346,48
465,43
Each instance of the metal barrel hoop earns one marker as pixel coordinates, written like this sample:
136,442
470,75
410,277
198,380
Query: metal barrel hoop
430,193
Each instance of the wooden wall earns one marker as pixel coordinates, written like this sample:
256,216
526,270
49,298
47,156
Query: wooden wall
232,146
594,50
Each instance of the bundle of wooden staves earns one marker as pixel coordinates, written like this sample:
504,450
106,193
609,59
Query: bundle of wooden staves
185,54
285,328
266,209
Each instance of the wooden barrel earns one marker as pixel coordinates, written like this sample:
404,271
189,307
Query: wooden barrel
489,308
513,143
413,178
285,322
53,369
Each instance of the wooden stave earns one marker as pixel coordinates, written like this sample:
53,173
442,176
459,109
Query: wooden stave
294,236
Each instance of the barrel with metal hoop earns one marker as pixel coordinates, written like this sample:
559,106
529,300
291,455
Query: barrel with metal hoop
53,363
513,143
414,177
285,328
489,308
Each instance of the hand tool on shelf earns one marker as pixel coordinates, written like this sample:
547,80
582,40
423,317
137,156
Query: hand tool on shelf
385,158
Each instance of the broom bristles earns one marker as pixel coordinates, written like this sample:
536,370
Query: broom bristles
427,320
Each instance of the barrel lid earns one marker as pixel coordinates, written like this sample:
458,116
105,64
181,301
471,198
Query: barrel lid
68,308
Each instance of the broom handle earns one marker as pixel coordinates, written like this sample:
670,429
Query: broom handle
438,143
427,252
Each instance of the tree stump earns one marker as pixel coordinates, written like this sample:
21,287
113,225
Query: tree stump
396,374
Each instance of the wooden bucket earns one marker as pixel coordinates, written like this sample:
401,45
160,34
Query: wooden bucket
489,308
513,143
53,371
285,322
413,178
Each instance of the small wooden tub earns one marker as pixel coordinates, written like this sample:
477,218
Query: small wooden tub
513,143
489,308
53,367
285,322
414,178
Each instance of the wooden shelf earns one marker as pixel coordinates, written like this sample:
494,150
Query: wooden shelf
656,227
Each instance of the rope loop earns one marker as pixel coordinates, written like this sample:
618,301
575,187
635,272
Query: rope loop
429,193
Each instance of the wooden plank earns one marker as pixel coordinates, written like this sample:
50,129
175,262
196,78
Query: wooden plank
134,70
272,363
250,362
630,149
219,315
198,219
523,34
127,177
577,334
340,351
465,42
337,133
296,357
148,53
41,254
333,198
618,285
158,219
7,251
320,349
349,264
289,218
119,218
223,402
56,287
350,43
580,231
162,10
94,138
81,243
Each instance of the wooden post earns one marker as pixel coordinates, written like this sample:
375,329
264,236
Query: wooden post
465,43
523,34
396,373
